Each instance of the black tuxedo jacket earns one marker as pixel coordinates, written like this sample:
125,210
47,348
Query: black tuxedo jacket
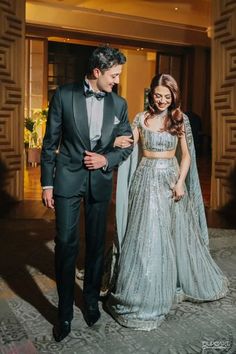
67,138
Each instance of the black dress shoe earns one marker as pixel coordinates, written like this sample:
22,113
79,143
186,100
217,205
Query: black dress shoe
91,314
61,330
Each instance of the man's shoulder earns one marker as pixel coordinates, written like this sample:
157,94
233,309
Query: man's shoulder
118,98
70,87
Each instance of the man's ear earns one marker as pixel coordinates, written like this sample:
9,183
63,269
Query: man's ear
96,73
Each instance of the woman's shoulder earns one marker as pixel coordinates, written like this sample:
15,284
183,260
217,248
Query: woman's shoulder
186,120
137,120
188,130
141,114
139,117
185,117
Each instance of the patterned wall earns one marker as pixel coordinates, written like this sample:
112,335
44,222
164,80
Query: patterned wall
223,102
12,20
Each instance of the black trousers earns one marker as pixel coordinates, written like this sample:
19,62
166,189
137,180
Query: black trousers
67,245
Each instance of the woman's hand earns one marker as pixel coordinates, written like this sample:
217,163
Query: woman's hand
123,141
178,191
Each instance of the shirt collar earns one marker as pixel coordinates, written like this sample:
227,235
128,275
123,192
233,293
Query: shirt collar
88,89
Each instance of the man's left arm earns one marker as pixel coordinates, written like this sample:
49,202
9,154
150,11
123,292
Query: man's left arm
116,155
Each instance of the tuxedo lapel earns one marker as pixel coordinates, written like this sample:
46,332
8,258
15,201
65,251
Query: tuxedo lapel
80,115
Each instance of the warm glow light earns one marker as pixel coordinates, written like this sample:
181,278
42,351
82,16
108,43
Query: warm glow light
209,32
176,8
151,56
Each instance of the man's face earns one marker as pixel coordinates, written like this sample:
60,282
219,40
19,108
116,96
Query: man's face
106,80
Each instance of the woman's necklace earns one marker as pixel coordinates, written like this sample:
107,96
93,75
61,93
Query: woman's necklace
161,116
159,121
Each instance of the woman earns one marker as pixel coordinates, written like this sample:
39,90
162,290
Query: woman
163,239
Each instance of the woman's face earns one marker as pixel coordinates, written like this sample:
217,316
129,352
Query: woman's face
162,97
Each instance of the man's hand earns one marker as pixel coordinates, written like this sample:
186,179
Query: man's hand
47,197
94,161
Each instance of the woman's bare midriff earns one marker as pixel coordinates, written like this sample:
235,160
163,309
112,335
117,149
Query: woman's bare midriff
159,154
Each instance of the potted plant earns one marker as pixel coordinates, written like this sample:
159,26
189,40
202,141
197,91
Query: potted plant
34,131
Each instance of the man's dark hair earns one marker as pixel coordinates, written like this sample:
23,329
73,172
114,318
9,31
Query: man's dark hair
103,58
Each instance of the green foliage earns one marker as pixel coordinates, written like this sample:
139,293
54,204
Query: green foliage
33,127
29,124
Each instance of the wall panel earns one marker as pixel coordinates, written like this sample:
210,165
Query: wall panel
12,19
223,102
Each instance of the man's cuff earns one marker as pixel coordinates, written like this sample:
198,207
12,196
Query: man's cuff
47,187
104,168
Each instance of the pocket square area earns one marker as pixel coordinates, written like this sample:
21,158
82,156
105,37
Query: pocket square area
116,120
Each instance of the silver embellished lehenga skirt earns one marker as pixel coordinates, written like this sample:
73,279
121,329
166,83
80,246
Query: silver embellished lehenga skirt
163,258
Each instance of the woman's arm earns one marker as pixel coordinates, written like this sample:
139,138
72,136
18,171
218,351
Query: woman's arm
125,141
178,190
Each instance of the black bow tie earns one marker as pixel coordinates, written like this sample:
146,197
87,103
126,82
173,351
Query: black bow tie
98,95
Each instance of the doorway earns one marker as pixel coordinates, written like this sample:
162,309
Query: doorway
51,63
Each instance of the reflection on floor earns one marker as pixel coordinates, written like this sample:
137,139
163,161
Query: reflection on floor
28,301
32,187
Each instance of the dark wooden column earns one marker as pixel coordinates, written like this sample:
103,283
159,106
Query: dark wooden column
12,38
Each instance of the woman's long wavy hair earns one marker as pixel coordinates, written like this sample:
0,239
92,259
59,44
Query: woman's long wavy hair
173,123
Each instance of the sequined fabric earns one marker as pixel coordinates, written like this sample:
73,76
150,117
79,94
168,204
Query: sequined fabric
163,257
154,141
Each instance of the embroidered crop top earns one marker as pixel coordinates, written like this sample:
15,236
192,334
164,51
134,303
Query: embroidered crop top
151,140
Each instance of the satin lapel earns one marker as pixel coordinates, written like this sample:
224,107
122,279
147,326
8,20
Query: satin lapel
81,116
108,119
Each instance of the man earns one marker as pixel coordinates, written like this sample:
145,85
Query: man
77,162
